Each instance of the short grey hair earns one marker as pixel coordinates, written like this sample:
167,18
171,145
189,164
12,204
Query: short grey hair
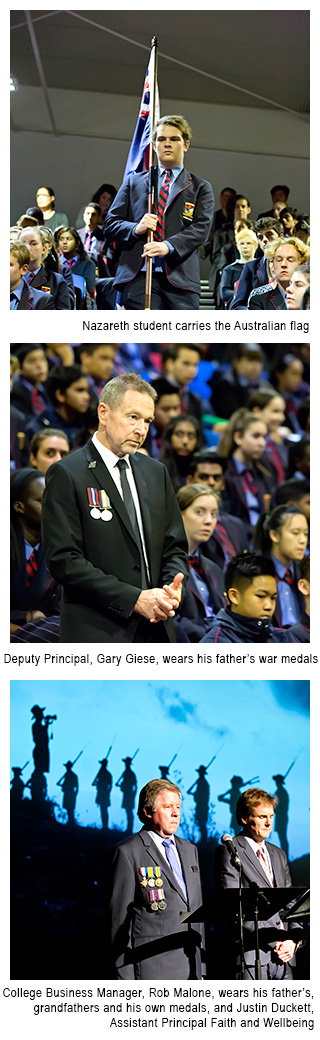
113,392
149,795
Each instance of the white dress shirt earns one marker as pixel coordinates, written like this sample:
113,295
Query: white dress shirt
110,460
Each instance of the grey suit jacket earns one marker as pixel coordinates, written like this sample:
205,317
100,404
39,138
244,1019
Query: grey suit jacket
226,876
147,944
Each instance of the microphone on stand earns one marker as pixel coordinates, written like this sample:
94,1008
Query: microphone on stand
226,840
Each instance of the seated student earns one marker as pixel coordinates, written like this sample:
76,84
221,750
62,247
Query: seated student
255,272
17,423
97,361
299,283
68,393
48,446
248,478
37,276
284,257
293,493
289,218
229,534
301,631
279,193
223,248
181,438
270,407
22,296
251,591
74,254
91,234
204,591
52,262
180,365
299,459
247,243
286,375
283,536
28,388
167,407
231,387
34,593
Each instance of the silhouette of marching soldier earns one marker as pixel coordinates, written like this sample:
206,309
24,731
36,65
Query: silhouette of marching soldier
201,796
165,770
231,797
128,785
17,785
282,806
38,787
103,783
69,784
40,738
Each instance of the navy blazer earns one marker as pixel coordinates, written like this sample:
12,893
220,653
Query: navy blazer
31,299
98,563
53,284
254,275
190,623
147,945
187,222
266,299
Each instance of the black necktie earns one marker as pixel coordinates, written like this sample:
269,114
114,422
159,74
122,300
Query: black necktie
130,507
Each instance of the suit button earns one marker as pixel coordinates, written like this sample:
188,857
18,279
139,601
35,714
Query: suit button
136,568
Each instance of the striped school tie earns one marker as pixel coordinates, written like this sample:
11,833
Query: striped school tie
158,234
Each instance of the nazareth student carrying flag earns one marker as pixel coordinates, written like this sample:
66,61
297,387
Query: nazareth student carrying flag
161,214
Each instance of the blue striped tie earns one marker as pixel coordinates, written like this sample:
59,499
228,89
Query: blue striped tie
158,234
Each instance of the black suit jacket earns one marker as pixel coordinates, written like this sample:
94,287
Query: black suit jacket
226,876
266,299
145,944
98,562
187,222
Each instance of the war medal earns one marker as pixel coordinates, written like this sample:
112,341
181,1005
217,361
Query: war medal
100,505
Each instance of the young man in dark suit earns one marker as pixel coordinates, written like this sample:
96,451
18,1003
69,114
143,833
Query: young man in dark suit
112,528
22,296
151,878
255,272
265,865
180,224
283,256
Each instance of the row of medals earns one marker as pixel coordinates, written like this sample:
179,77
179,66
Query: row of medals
101,514
151,883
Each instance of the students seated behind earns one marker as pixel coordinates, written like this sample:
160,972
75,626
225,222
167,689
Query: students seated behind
74,254
29,384
279,193
180,365
251,591
301,631
283,257
22,296
289,218
91,234
247,243
248,478
222,248
97,360
68,393
167,407
181,438
255,272
53,262
299,459
34,594
286,375
282,535
204,592
48,446
46,201
48,281
299,283
293,492
17,423
229,534
270,407
231,387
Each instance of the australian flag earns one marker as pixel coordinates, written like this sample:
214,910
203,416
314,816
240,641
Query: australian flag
139,154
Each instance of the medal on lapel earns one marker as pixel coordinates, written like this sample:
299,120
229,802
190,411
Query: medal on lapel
100,506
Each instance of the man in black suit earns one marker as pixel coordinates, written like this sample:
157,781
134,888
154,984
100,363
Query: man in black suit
265,865
180,224
151,878
22,296
117,545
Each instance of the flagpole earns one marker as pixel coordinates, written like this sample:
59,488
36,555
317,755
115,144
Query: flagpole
152,160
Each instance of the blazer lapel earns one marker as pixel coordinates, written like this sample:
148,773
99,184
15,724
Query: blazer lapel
153,852
183,181
99,475
253,859
143,495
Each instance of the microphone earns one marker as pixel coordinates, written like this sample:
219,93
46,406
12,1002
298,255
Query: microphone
226,840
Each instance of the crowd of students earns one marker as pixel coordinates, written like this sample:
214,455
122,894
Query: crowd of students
234,435
252,264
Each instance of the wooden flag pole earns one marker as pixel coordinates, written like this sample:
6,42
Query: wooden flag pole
153,68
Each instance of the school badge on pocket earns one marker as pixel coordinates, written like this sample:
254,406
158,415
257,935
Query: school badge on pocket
188,210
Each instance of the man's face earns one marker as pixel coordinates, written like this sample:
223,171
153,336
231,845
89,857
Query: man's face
258,600
210,473
124,429
265,236
99,365
241,209
16,272
91,218
170,146
279,196
285,261
52,449
76,397
167,407
166,815
258,824
184,368
34,367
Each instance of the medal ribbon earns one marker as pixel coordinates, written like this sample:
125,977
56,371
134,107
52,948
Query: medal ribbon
98,498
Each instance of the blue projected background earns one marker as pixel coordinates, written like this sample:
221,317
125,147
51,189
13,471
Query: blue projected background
254,728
